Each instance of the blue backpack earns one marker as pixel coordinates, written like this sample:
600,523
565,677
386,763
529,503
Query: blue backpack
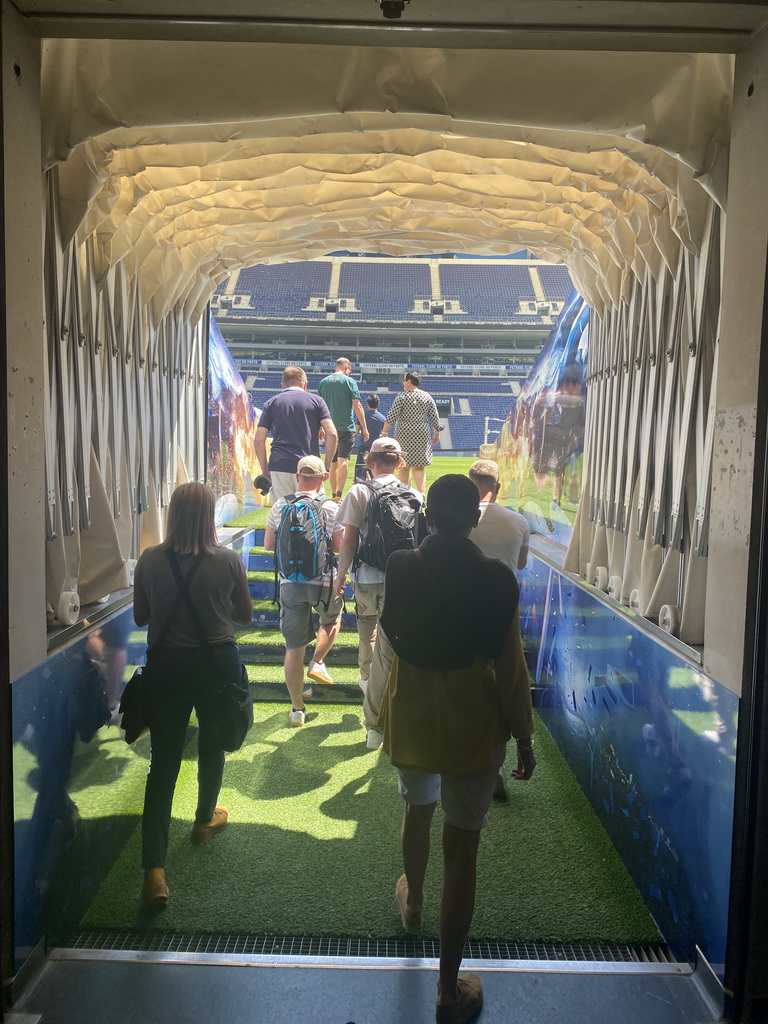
303,549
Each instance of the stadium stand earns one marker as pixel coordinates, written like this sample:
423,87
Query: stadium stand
396,291
489,293
386,291
283,290
555,281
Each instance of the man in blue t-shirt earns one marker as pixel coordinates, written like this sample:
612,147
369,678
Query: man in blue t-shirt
375,420
341,393
294,418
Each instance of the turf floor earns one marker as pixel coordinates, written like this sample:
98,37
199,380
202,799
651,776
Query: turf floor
312,849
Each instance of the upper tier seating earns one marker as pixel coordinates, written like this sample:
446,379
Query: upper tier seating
556,282
283,290
385,291
488,293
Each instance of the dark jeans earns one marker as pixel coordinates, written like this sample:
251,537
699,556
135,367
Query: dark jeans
182,679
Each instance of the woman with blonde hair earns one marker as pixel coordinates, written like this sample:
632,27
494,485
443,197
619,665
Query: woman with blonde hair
182,672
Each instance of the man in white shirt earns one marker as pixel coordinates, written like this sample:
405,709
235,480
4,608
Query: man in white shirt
375,653
501,533
297,600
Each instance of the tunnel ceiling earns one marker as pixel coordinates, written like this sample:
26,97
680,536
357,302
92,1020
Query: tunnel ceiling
188,160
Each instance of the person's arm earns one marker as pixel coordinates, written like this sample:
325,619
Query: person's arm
434,419
242,602
514,688
140,604
347,549
522,558
273,522
331,440
357,405
391,417
260,447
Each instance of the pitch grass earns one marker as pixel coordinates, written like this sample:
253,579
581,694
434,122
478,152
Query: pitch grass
313,849
441,465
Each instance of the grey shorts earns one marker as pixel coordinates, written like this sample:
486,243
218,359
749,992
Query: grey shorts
465,799
297,600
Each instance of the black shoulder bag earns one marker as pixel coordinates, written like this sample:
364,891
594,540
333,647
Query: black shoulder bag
235,716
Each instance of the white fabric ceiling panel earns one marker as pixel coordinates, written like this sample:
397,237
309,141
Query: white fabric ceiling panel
189,160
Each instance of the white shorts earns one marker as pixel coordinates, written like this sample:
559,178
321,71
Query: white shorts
465,799
282,484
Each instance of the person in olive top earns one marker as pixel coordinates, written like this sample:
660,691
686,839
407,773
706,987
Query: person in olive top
342,397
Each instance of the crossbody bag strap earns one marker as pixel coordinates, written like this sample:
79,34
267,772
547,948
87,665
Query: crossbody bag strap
175,609
184,595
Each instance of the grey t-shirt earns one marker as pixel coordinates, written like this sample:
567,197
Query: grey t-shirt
211,592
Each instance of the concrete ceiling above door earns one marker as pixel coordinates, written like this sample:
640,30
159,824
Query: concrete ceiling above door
690,26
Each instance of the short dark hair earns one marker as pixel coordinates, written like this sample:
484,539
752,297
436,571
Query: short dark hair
453,503
372,401
414,378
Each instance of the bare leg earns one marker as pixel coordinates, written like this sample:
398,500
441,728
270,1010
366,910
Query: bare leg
414,840
332,476
294,675
419,477
457,904
403,474
341,475
325,637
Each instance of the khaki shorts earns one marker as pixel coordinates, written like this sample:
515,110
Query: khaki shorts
465,799
296,603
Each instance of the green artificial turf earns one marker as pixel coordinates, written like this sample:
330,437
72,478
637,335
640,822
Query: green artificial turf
313,849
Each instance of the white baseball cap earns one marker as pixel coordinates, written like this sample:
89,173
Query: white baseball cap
386,445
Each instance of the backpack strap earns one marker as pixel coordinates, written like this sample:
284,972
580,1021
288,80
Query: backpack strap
289,500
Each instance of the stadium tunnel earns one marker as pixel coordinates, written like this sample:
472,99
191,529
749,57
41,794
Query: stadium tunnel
176,149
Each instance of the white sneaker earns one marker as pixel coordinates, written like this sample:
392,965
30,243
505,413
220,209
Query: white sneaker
318,672
374,739
296,717
307,691
363,684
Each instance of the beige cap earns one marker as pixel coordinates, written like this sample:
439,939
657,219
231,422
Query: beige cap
311,465
387,445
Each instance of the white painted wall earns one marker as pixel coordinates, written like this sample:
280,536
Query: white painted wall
23,207
733,547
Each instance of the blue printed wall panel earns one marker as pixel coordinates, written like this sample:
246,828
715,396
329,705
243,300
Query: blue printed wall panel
652,741
77,795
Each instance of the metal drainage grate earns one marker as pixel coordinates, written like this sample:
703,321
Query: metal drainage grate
405,948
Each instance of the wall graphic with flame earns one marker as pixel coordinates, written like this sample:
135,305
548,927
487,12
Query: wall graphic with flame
232,422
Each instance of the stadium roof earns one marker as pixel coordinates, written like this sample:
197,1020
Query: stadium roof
190,159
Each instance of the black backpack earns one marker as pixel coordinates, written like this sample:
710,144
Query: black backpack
394,522
303,549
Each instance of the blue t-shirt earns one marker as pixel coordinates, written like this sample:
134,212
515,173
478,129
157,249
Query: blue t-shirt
293,419
374,420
